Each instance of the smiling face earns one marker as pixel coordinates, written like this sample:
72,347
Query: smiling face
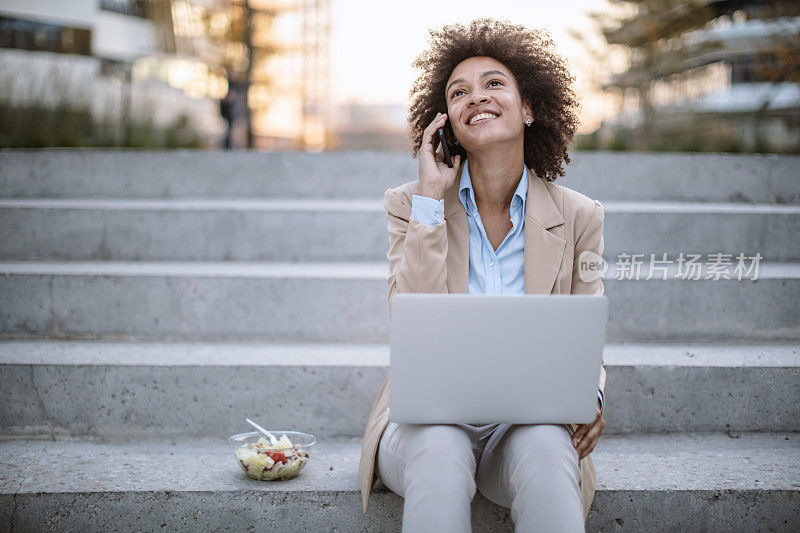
483,104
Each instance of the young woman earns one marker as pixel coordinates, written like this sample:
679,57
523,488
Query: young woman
494,223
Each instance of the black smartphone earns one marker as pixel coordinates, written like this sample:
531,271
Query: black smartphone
445,148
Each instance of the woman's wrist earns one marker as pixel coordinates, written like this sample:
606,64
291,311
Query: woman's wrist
431,190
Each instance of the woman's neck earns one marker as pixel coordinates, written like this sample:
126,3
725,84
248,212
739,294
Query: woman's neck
495,174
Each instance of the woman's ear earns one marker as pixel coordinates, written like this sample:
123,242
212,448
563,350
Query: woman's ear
528,109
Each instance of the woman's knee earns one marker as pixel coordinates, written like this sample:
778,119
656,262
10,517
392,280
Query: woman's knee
548,443
441,451
543,470
440,439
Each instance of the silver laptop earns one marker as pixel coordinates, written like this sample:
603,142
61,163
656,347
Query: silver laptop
482,359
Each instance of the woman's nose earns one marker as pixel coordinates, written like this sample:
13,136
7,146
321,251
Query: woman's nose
479,98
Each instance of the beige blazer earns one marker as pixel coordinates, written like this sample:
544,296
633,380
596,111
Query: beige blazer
560,223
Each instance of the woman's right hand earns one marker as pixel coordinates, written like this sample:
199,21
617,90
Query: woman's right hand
435,177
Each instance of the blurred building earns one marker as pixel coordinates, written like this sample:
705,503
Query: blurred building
732,81
167,63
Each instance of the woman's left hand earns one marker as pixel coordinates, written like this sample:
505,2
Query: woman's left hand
586,436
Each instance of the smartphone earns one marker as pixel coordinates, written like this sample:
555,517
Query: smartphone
445,148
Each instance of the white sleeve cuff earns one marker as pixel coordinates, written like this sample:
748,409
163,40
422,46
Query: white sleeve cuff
427,210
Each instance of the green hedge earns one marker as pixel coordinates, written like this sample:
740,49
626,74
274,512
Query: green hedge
40,127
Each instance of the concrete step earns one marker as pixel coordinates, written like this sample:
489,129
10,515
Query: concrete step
678,482
118,173
346,230
333,302
79,388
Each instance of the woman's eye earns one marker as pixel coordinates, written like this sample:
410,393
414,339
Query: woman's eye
455,93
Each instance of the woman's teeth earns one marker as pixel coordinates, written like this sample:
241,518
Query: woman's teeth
481,116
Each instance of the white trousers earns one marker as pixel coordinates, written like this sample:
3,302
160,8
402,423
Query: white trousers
534,470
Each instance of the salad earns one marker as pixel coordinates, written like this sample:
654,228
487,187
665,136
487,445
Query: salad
261,460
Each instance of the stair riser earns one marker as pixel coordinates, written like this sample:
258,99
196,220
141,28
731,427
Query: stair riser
289,235
674,510
193,174
334,401
323,309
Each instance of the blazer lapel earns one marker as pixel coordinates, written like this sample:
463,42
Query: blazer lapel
457,261
544,250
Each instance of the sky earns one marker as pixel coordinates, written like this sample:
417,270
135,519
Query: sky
374,43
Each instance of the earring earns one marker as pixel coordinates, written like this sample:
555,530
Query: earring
455,141
528,122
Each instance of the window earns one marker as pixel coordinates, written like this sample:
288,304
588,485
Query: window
30,35
134,8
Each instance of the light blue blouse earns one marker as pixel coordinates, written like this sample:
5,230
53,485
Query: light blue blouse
490,271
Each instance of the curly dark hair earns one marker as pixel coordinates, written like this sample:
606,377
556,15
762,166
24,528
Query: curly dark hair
543,79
